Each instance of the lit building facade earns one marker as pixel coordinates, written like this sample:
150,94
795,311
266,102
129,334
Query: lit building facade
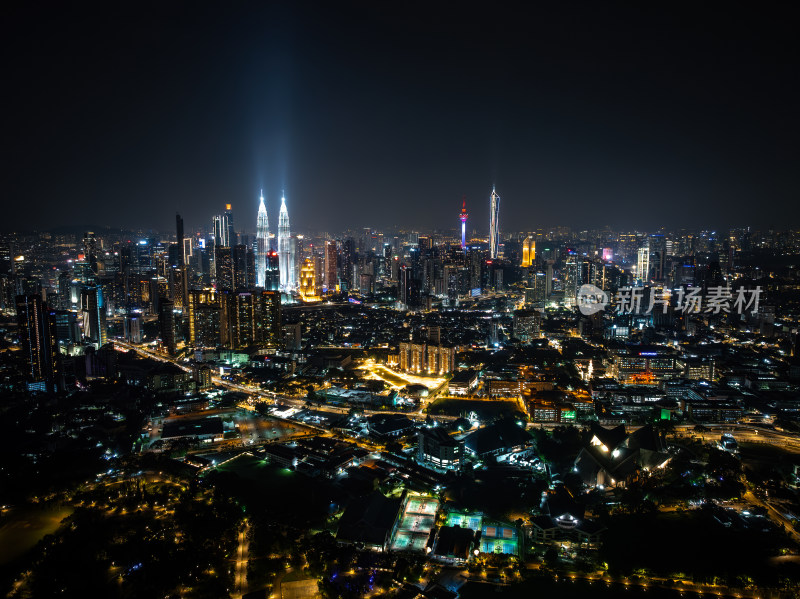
330,279
643,264
572,277
463,218
285,249
204,318
494,225
38,339
272,279
427,359
308,282
528,252
94,316
436,447
250,319
223,264
262,244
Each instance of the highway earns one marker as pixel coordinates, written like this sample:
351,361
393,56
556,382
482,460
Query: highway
744,432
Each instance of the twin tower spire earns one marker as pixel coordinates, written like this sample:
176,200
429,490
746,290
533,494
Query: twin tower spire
285,246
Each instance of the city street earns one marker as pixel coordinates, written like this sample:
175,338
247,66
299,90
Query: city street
242,556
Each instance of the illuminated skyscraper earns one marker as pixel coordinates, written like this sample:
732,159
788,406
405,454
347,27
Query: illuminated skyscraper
643,264
528,252
285,257
494,225
223,262
36,326
250,319
330,279
272,280
204,315
90,250
227,223
308,281
571,276
463,218
219,230
94,316
224,233
262,244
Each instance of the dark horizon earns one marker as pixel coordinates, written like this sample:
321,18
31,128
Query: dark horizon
629,117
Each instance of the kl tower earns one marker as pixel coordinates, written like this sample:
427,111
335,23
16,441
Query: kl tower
463,218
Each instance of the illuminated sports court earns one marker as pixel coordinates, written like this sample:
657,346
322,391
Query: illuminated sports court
499,538
416,523
465,520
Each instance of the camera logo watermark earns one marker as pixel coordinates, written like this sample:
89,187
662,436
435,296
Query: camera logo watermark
630,300
591,299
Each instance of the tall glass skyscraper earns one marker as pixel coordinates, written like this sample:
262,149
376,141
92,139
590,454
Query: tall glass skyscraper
37,333
224,233
494,225
272,280
285,254
262,244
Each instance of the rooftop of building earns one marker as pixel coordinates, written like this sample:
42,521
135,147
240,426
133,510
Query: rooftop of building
186,427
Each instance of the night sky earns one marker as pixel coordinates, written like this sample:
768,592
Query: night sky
374,114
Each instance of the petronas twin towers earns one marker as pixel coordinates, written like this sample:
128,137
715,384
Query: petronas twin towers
262,244
285,247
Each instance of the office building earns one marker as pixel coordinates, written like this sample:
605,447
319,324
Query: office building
272,279
643,264
227,223
244,268
94,316
66,327
133,328
179,235
330,280
90,250
224,267
223,230
166,324
572,277
292,336
37,335
435,447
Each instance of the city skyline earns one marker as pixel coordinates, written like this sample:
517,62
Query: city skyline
532,329
199,224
